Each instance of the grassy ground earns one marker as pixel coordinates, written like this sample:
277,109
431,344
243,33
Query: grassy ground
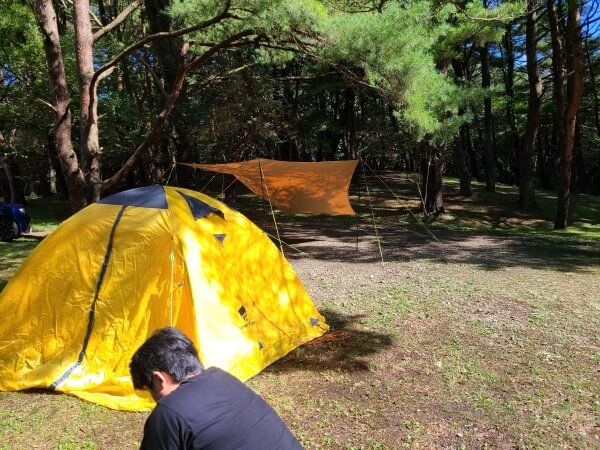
485,337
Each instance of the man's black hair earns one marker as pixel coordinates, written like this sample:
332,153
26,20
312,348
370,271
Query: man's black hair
167,350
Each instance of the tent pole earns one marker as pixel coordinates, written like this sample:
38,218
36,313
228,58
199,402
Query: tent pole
266,189
172,268
172,262
372,213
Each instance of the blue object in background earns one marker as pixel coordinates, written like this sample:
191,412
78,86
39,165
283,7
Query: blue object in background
14,221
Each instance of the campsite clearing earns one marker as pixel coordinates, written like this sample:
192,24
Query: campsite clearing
483,339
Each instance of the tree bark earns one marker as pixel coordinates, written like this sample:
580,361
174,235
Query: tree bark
350,119
89,145
11,170
526,191
462,163
47,22
166,51
575,77
490,141
592,83
509,78
433,163
462,141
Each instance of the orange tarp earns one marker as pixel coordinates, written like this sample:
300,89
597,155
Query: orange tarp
296,187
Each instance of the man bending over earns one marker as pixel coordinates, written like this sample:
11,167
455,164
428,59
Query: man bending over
200,408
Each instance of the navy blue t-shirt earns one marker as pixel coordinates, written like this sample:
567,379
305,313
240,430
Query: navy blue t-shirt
215,411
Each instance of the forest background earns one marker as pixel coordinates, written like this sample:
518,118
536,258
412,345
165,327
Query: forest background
103,95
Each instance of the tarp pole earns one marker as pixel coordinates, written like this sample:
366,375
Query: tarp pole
404,207
266,189
209,181
372,212
358,219
171,172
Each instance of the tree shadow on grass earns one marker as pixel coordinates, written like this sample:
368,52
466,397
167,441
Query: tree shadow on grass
12,254
344,348
404,243
493,246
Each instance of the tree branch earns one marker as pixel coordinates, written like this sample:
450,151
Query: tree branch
157,127
117,20
230,41
306,78
160,121
49,105
155,77
95,17
226,74
163,35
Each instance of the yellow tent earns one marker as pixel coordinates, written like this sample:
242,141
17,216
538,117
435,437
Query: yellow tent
110,275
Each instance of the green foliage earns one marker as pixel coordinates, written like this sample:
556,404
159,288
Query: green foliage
325,79
395,48
23,78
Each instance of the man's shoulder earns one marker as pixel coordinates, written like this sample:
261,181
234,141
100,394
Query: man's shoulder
164,429
200,391
164,413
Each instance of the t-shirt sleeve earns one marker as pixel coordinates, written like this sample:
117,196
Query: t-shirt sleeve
164,430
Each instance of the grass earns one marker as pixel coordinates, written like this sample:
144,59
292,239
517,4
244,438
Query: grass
487,339
46,214
495,212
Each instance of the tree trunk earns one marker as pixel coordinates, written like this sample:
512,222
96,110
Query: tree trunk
287,142
578,166
89,145
557,82
490,145
462,163
526,191
545,162
433,163
350,119
592,83
185,146
15,186
471,153
167,52
576,71
509,78
46,19
462,141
